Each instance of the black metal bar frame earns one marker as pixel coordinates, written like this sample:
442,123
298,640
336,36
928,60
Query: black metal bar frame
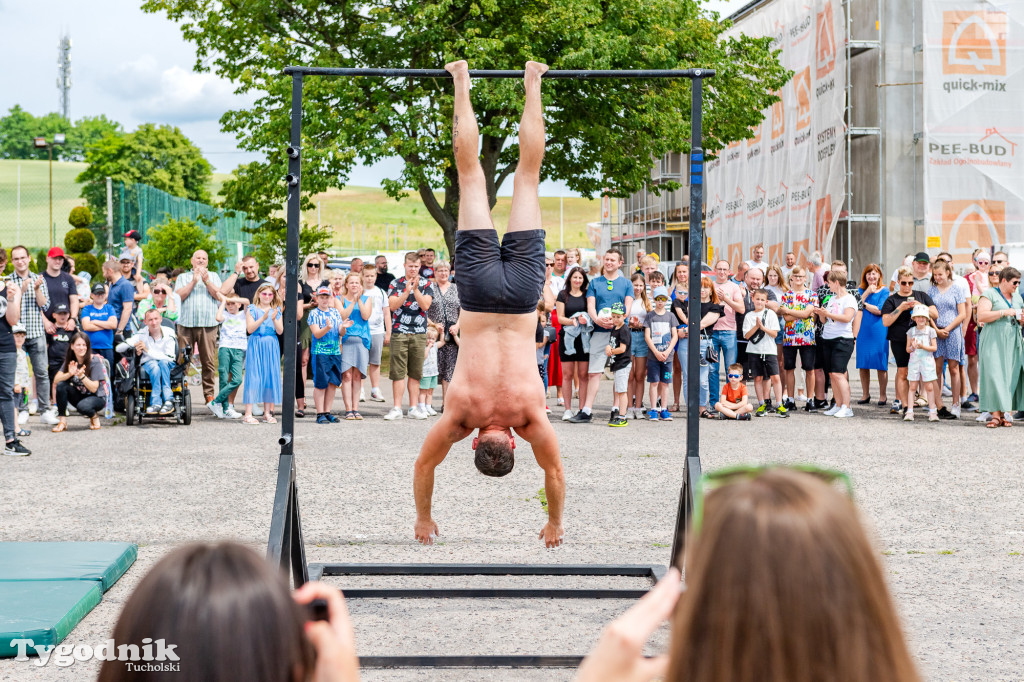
286,546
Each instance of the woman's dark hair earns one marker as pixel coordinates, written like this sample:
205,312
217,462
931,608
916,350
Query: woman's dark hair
1008,273
568,279
226,610
70,355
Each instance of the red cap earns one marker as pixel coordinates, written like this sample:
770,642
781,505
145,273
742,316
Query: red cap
55,252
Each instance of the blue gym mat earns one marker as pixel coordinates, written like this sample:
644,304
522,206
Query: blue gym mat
100,561
47,588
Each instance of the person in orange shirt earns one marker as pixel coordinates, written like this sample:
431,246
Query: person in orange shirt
734,403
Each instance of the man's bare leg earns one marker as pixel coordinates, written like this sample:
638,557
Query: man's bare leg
474,209
525,212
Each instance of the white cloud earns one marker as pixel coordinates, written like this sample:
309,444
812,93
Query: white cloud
172,94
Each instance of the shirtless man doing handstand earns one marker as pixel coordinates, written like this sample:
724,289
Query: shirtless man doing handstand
496,388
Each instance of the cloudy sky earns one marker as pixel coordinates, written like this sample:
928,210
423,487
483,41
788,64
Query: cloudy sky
135,68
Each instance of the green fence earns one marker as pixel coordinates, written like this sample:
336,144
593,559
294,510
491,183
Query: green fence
142,207
25,201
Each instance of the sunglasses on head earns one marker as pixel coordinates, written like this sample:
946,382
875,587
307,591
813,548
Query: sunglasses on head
723,477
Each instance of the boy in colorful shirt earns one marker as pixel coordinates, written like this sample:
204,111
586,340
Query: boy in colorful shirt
795,309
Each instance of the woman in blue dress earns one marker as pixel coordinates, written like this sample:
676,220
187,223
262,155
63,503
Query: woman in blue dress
872,342
263,354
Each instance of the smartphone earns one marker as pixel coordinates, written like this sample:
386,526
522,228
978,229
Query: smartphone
317,610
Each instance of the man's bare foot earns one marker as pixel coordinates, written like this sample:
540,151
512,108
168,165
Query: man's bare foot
458,69
534,70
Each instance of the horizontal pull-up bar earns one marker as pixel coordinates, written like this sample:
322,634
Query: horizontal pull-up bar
441,73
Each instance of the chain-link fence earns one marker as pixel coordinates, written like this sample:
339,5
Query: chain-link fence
25,205
142,207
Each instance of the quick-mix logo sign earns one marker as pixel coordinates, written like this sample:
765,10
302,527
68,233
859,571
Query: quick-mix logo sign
969,224
754,143
992,149
825,49
973,51
778,125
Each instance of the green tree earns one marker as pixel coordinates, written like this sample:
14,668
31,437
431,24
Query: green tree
160,156
87,131
172,244
19,128
601,133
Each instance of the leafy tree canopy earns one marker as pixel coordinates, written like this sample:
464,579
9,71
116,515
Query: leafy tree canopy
601,133
160,156
19,128
172,244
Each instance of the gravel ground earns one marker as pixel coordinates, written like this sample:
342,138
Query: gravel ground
942,501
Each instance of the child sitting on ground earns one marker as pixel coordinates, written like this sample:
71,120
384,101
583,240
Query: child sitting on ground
618,348
734,403
428,381
230,355
760,328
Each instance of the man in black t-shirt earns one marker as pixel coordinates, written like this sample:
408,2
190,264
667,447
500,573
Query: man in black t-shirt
384,278
60,286
897,320
427,264
248,283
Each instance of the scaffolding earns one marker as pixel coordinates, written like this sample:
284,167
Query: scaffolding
652,223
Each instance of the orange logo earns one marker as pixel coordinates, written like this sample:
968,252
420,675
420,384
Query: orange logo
755,137
971,224
802,249
734,254
974,43
802,88
775,254
825,59
778,118
823,222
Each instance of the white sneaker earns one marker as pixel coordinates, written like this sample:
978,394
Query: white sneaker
153,409
567,415
23,417
832,411
257,410
376,396
49,416
230,413
362,395
909,416
955,411
416,413
801,398
984,417
946,392
217,409
395,413
933,416
845,413
33,407
433,413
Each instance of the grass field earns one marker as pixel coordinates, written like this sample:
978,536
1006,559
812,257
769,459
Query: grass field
369,209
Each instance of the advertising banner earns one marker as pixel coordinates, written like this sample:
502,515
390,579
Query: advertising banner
783,187
973,125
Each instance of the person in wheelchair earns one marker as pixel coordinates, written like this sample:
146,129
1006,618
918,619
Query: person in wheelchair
158,347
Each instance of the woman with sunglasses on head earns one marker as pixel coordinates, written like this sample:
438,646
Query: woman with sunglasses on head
310,277
263,354
782,585
1001,349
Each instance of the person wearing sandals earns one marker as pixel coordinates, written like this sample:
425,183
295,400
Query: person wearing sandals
326,325
80,383
356,308
263,354
1001,349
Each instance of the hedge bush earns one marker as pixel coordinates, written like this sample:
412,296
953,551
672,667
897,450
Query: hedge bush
79,240
80,217
86,262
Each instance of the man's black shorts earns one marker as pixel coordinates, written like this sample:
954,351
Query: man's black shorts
506,278
789,354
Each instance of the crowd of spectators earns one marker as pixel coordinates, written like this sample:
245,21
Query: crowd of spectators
950,337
